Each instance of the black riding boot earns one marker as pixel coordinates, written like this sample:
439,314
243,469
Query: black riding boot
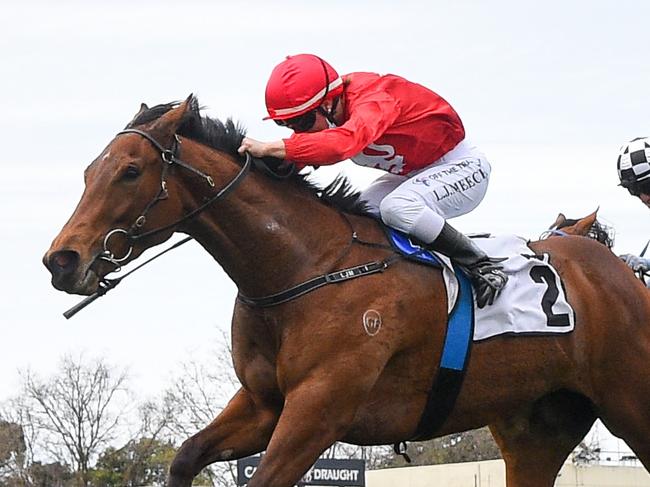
485,273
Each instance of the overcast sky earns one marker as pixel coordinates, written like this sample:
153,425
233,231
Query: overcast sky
549,90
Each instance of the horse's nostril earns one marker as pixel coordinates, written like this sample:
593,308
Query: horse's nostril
63,261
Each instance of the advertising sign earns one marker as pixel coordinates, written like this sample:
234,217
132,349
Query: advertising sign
325,472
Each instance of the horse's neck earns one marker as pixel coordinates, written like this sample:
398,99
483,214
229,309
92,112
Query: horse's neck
268,235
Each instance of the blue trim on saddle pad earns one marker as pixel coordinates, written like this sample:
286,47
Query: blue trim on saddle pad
460,327
461,318
402,243
457,345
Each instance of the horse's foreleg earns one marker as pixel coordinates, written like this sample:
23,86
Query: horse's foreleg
243,428
535,442
316,414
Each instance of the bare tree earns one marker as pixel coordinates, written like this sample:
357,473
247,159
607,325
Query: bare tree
586,452
468,446
18,437
154,421
198,394
374,456
12,453
75,409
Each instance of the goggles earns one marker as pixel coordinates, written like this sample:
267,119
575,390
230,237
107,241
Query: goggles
301,123
637,188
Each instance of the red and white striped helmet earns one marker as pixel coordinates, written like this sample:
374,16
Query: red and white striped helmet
299,84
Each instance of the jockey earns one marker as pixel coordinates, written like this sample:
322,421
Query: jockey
633,166
433,171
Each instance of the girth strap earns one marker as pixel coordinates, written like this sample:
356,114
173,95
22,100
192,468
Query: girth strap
453,363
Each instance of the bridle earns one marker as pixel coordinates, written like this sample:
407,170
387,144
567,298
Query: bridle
169,157
134,233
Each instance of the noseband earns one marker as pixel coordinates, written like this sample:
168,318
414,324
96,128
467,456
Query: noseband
169,157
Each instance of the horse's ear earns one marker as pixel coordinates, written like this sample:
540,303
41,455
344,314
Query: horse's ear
167,125
583,225
143,108
560,220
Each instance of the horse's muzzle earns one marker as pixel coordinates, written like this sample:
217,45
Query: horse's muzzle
64,265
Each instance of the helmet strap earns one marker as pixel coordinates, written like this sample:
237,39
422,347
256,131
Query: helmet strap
329,114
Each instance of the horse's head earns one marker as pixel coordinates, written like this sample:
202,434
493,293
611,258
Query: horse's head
588,226
124,188
579,226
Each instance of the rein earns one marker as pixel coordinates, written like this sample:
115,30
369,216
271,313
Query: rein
549,233
169,157
106,285
332,277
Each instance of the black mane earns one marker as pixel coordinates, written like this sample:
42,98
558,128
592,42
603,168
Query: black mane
227,137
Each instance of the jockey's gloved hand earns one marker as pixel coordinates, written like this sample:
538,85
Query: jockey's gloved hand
636,263
488,279
486,273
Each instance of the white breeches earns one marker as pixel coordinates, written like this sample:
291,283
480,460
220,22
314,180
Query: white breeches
419,203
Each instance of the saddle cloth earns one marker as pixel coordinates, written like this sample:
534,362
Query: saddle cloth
532,302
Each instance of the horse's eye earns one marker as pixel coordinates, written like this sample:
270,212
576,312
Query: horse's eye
132,171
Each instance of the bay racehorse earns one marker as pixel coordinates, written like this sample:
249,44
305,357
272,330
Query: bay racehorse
311,372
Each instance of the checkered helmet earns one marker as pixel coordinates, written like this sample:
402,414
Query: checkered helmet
633,162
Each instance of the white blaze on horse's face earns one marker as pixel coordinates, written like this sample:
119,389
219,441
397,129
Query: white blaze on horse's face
272,226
